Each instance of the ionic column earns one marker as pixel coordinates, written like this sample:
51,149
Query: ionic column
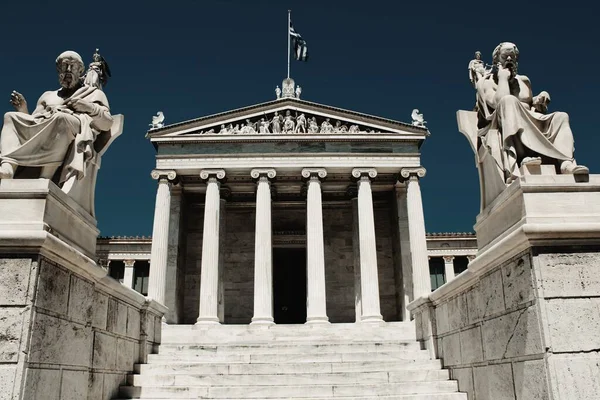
449,268
352,192
160,235
128,275
209,274
263,248
369,280
416,228
316,304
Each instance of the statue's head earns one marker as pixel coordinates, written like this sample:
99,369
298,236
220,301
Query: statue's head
507,55
478,55
70,69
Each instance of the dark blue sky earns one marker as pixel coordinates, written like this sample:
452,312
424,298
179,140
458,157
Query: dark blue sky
191,59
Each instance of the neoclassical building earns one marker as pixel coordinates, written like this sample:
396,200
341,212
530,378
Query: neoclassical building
287,211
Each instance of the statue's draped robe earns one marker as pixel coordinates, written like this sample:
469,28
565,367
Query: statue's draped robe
53,137
514,124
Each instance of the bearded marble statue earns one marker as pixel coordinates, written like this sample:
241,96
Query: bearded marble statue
515,125
62,138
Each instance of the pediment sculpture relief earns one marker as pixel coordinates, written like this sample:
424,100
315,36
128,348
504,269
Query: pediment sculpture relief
67,132
511,129
287,122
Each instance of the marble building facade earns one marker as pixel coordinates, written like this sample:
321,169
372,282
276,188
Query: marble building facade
287,212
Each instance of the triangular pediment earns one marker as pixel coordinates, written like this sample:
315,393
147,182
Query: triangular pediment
286,116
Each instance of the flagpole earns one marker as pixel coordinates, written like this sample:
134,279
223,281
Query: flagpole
288,36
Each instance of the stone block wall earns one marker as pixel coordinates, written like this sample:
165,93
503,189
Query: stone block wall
69,331
525,329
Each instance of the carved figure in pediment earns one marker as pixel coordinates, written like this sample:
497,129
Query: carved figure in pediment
326,127
276,123
313,127
249,127
338,127
236,129
288,123
301,123
354,129
263,126
223,129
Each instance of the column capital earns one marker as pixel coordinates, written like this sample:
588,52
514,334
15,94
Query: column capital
258,173
412,173
359,173
129,263
218,174
318,173
448,259
163,174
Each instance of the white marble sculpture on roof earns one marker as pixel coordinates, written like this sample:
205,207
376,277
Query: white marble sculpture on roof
65,134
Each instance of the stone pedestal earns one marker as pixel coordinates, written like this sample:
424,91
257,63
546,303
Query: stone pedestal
160,236
263,249
522,321
209,278
369,278
316,311
67,329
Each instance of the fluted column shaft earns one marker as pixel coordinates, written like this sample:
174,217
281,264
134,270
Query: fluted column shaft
316,303
416,228
160,235
128,273
209,274
263,249
356,259
449,268
369,279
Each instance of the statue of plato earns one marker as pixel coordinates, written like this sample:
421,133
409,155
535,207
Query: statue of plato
59,134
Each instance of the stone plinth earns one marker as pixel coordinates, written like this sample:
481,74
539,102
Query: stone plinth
522,321
69,331
38,205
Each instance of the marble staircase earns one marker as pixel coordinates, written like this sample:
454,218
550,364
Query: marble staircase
335,361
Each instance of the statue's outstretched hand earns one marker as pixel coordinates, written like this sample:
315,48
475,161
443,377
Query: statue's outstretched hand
18,101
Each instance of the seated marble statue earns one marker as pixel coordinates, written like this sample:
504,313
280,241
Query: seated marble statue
515,125
59,134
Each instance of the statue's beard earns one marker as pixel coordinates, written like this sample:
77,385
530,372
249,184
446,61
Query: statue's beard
68,81
512,66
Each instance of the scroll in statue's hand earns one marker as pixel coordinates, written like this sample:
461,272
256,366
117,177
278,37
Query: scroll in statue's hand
18,102
80,106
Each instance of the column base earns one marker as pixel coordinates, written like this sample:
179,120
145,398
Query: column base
262,321
371,318
207,321
317,320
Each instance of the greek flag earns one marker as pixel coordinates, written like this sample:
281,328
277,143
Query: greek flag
300,49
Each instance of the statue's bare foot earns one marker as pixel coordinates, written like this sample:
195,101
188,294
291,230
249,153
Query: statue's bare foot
531,161
6,171
570,167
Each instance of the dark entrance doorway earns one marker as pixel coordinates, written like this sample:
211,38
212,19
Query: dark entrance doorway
289,285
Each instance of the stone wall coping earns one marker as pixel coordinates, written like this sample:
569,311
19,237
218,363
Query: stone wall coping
56,250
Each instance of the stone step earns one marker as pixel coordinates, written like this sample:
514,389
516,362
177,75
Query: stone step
289,348
300,378
294,391
425,396
173,367
401,331
291,358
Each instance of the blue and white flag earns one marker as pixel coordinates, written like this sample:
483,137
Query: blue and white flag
300,49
